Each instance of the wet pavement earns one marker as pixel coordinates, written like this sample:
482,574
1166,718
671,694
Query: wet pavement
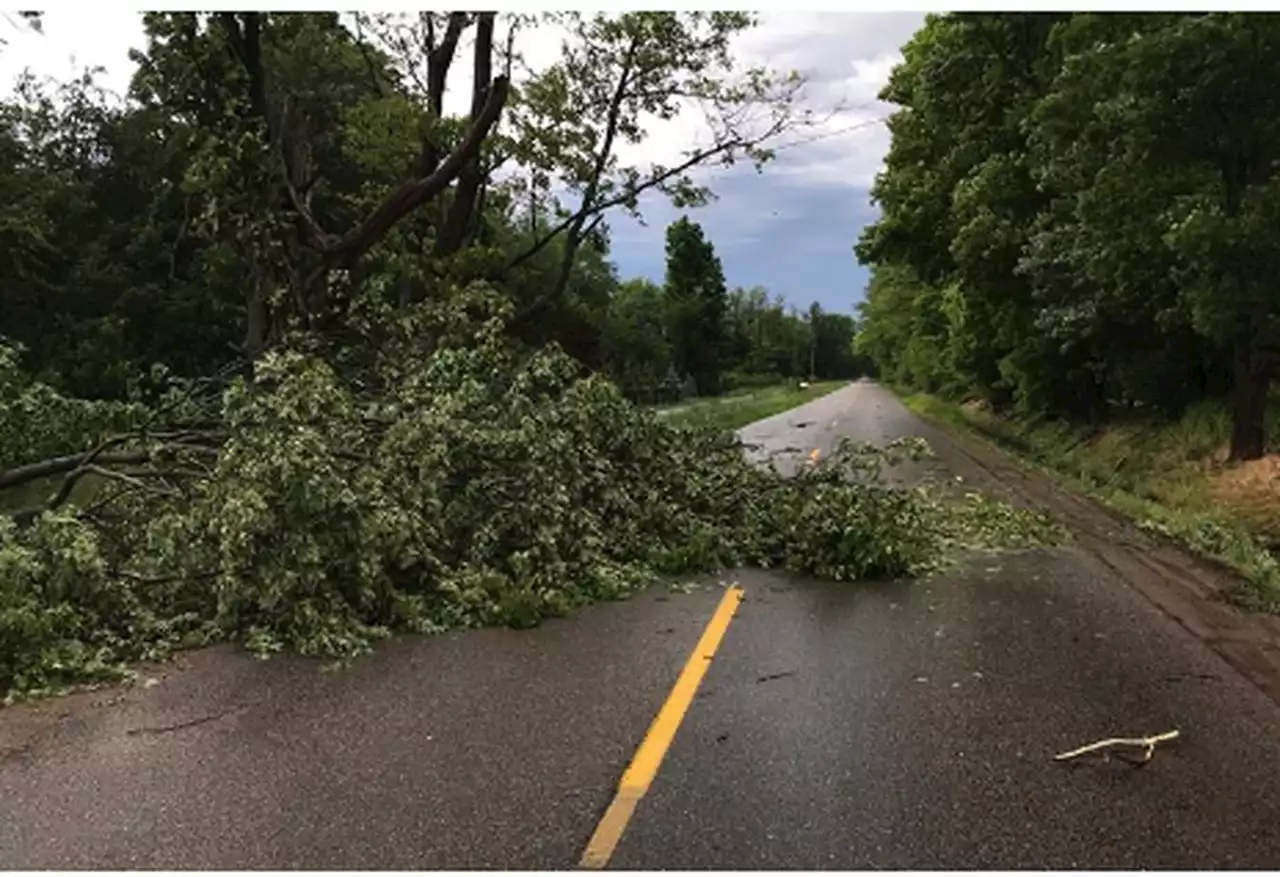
913,726
879,725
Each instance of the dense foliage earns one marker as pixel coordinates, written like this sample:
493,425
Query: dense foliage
1079,214
297,359
454,480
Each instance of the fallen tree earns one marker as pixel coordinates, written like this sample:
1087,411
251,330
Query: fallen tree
450,480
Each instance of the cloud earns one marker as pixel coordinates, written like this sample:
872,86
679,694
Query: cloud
846,59
72,39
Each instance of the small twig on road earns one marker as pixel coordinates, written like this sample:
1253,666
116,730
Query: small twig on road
1147,744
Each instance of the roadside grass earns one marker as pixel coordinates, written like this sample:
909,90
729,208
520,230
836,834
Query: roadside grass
735,410
1170,478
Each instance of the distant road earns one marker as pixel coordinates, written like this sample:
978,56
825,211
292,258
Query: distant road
882,725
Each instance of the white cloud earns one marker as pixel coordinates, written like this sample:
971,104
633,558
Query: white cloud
72,39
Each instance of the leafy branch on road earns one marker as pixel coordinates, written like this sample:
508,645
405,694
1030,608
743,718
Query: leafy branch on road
452,481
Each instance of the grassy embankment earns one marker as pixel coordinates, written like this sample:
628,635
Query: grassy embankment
737,409
1169,477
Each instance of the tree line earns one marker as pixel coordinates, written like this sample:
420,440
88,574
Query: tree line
266,170
690,334
1079,215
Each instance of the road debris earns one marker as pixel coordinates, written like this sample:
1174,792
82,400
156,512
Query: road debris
772,676
1147,744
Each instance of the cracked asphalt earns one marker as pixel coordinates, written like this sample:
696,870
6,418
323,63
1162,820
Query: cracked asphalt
882,725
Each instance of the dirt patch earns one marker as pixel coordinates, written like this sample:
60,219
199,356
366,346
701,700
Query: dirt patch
1252,490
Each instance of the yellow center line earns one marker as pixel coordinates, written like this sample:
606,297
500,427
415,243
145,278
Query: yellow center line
648,758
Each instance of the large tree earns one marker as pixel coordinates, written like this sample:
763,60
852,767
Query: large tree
1083,204
1193,131
697,303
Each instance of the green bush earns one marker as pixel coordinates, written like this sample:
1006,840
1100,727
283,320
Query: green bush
39,422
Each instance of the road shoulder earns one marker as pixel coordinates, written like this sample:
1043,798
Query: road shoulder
1192,590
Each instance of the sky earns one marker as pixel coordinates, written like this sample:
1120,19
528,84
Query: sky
790,228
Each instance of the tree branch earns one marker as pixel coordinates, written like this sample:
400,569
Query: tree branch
246,43
629,193
20,475
76,466
125,478
412,194
597,171
374,73
439,59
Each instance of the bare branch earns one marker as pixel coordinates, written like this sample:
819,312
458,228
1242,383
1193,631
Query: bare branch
125,478
19,475
452,235
592,226
194,443
76,466
627,194
439,59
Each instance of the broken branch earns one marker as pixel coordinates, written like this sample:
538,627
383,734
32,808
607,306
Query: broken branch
1147,744
411,195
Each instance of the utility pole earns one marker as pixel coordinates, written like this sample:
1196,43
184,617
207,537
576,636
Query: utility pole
814,313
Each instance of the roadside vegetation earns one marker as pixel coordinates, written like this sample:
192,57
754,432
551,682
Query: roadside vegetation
295,359
1170,478
1075,256
736,409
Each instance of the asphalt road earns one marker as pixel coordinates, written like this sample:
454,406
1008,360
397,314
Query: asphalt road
883,725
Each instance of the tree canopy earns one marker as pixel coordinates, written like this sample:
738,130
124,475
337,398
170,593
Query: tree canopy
1076,214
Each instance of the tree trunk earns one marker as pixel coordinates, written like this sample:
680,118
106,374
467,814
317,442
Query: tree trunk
452,234
1249,399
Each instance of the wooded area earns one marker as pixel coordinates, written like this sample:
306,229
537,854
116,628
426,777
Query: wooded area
1079,215
255,180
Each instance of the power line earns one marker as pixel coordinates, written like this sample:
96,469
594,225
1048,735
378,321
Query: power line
826,135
